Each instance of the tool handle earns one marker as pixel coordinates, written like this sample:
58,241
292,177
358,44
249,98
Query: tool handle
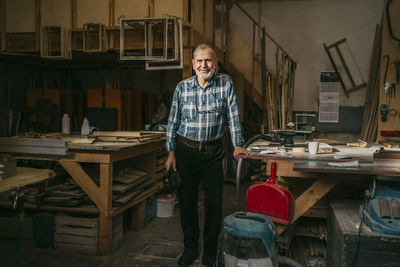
272,177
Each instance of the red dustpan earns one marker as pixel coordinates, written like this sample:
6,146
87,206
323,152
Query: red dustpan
271,199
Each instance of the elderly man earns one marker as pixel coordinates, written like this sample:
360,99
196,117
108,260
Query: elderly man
200,106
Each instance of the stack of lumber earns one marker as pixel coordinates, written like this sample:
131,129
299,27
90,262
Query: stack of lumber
369,130
8,166
27,145
309,251
81,234
119,136
66,194
128,185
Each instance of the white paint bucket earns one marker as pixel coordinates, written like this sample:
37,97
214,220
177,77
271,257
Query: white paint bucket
166,205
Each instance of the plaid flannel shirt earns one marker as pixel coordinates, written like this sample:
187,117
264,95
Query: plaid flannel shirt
199,113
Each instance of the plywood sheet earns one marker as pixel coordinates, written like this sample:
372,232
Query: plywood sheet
56,13
171,7
20,15
113,100
130,9
209,15
92,11
94,98
390,47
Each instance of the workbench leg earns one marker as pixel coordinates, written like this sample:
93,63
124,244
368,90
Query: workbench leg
105,220
312,195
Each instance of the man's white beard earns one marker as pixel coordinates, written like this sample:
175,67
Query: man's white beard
205,76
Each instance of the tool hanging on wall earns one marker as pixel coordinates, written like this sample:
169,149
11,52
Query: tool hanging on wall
385,83
389,22
384,111
397,65
342,68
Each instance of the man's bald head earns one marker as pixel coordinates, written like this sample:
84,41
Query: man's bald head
202,47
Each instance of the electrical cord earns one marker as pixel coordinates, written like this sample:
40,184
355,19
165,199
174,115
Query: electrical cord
367,196
359,238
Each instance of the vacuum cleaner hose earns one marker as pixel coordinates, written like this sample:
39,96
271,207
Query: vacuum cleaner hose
288,261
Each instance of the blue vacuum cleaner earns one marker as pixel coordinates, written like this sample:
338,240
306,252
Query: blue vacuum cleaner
381,210
249,239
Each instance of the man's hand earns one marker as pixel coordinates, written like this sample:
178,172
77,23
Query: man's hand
240,150
171,161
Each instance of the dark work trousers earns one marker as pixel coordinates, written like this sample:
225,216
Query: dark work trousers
200,162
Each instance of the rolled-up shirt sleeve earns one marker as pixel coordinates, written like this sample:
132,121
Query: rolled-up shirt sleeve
173,121
233,117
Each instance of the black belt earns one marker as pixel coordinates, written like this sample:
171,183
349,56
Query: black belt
197,144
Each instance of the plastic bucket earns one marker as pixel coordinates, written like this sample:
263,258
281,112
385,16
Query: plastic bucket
166,205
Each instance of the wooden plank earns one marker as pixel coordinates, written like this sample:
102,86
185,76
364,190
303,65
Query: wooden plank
24,177
137,151
20,15
94,98
3,25
65,229
56,13
311,196
127,106
105,219
117,133
285,168
92,11
62,219
85,182
171,7
113,100
137,216
136,110
130,9
76,239
38,142
34,150
92,157
145,195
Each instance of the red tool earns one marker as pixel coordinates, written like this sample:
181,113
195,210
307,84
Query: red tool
271,199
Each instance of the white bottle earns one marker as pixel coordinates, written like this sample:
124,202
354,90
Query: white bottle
85,127
65,124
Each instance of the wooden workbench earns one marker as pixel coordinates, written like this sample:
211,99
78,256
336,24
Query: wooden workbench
25,176
106,154
303,165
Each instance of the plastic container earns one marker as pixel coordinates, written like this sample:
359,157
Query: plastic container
166,205
85,127
65,124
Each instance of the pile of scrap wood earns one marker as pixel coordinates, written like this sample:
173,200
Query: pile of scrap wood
27,145
129,184
122,136
67,194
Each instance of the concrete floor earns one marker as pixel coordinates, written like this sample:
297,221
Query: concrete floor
158,244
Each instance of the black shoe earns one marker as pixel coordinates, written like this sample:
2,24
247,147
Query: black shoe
209,261
188,257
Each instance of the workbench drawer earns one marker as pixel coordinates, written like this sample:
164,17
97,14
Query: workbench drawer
345,245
